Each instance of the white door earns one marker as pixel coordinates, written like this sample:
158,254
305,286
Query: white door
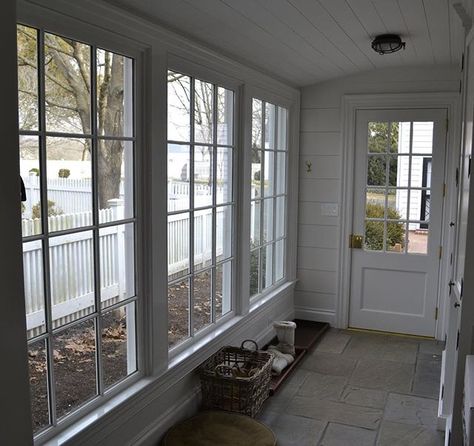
398,200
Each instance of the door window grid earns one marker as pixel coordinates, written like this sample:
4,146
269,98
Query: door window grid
206,282
395,224
85,331
268,201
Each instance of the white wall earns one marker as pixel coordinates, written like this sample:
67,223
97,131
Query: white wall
321,144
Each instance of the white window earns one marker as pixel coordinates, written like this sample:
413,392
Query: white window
77,146
268,195
201,205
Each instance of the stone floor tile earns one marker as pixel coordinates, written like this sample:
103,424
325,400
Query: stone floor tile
410,409
427,375
431,347
335,412
398,434
329,364
340,434
364,397
382,347
322,387
383,375
292,430
333,342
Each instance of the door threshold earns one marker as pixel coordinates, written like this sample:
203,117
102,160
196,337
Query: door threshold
389,333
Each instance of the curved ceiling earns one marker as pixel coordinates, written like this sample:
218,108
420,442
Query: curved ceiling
308,41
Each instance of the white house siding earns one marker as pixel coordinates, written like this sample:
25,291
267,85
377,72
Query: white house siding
321,145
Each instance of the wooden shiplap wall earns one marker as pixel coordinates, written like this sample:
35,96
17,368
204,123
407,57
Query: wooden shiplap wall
321,144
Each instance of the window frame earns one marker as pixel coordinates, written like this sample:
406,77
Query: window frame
201,73
267,98
89,35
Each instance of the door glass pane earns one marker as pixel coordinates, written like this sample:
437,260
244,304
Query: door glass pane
67,85
378,137
69,183
202,300
423,137
254,271
224,175
34,288
202,238
119,358
115,180
203,176
223,284
225,116
376,170
400,137
30,173
178,312
257,131
178,245
71,262
418,238
397,203
256,186
178,177
255,216
223,232
114,94
203,111
399,169
395,236
38,374
179,107
74,366
117,263
374,235
375,202
27,47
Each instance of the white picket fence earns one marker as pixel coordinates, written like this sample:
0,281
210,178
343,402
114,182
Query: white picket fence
71,262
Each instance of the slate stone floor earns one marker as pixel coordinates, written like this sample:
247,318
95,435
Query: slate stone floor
360,389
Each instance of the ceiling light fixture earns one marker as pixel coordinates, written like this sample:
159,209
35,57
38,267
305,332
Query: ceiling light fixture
387,43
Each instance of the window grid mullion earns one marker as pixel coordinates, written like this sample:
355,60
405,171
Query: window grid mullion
214,204
275,180
45,229
410,159
95,222
191,213
262,201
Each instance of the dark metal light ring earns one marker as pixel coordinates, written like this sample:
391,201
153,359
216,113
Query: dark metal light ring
387,43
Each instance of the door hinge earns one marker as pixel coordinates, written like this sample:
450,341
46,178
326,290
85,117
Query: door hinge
440,251
436,313
444,189
447,124
457,176
469,167
457,341
462,62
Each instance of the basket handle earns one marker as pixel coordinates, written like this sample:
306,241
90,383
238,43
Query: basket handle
249,341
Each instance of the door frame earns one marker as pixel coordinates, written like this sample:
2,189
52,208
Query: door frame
350,105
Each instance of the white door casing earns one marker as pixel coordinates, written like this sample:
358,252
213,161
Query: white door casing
397,291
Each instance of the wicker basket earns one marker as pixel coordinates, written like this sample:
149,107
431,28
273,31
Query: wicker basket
236,379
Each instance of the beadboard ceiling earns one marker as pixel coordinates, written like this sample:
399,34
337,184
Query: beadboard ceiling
309,41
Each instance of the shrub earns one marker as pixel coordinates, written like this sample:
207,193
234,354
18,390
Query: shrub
64,173
374,229
52,211
35,170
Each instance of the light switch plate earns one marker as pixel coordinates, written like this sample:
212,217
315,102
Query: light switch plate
330,209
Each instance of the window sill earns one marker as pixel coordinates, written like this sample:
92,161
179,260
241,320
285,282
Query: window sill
263,298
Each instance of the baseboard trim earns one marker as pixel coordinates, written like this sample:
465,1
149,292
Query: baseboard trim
315,314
